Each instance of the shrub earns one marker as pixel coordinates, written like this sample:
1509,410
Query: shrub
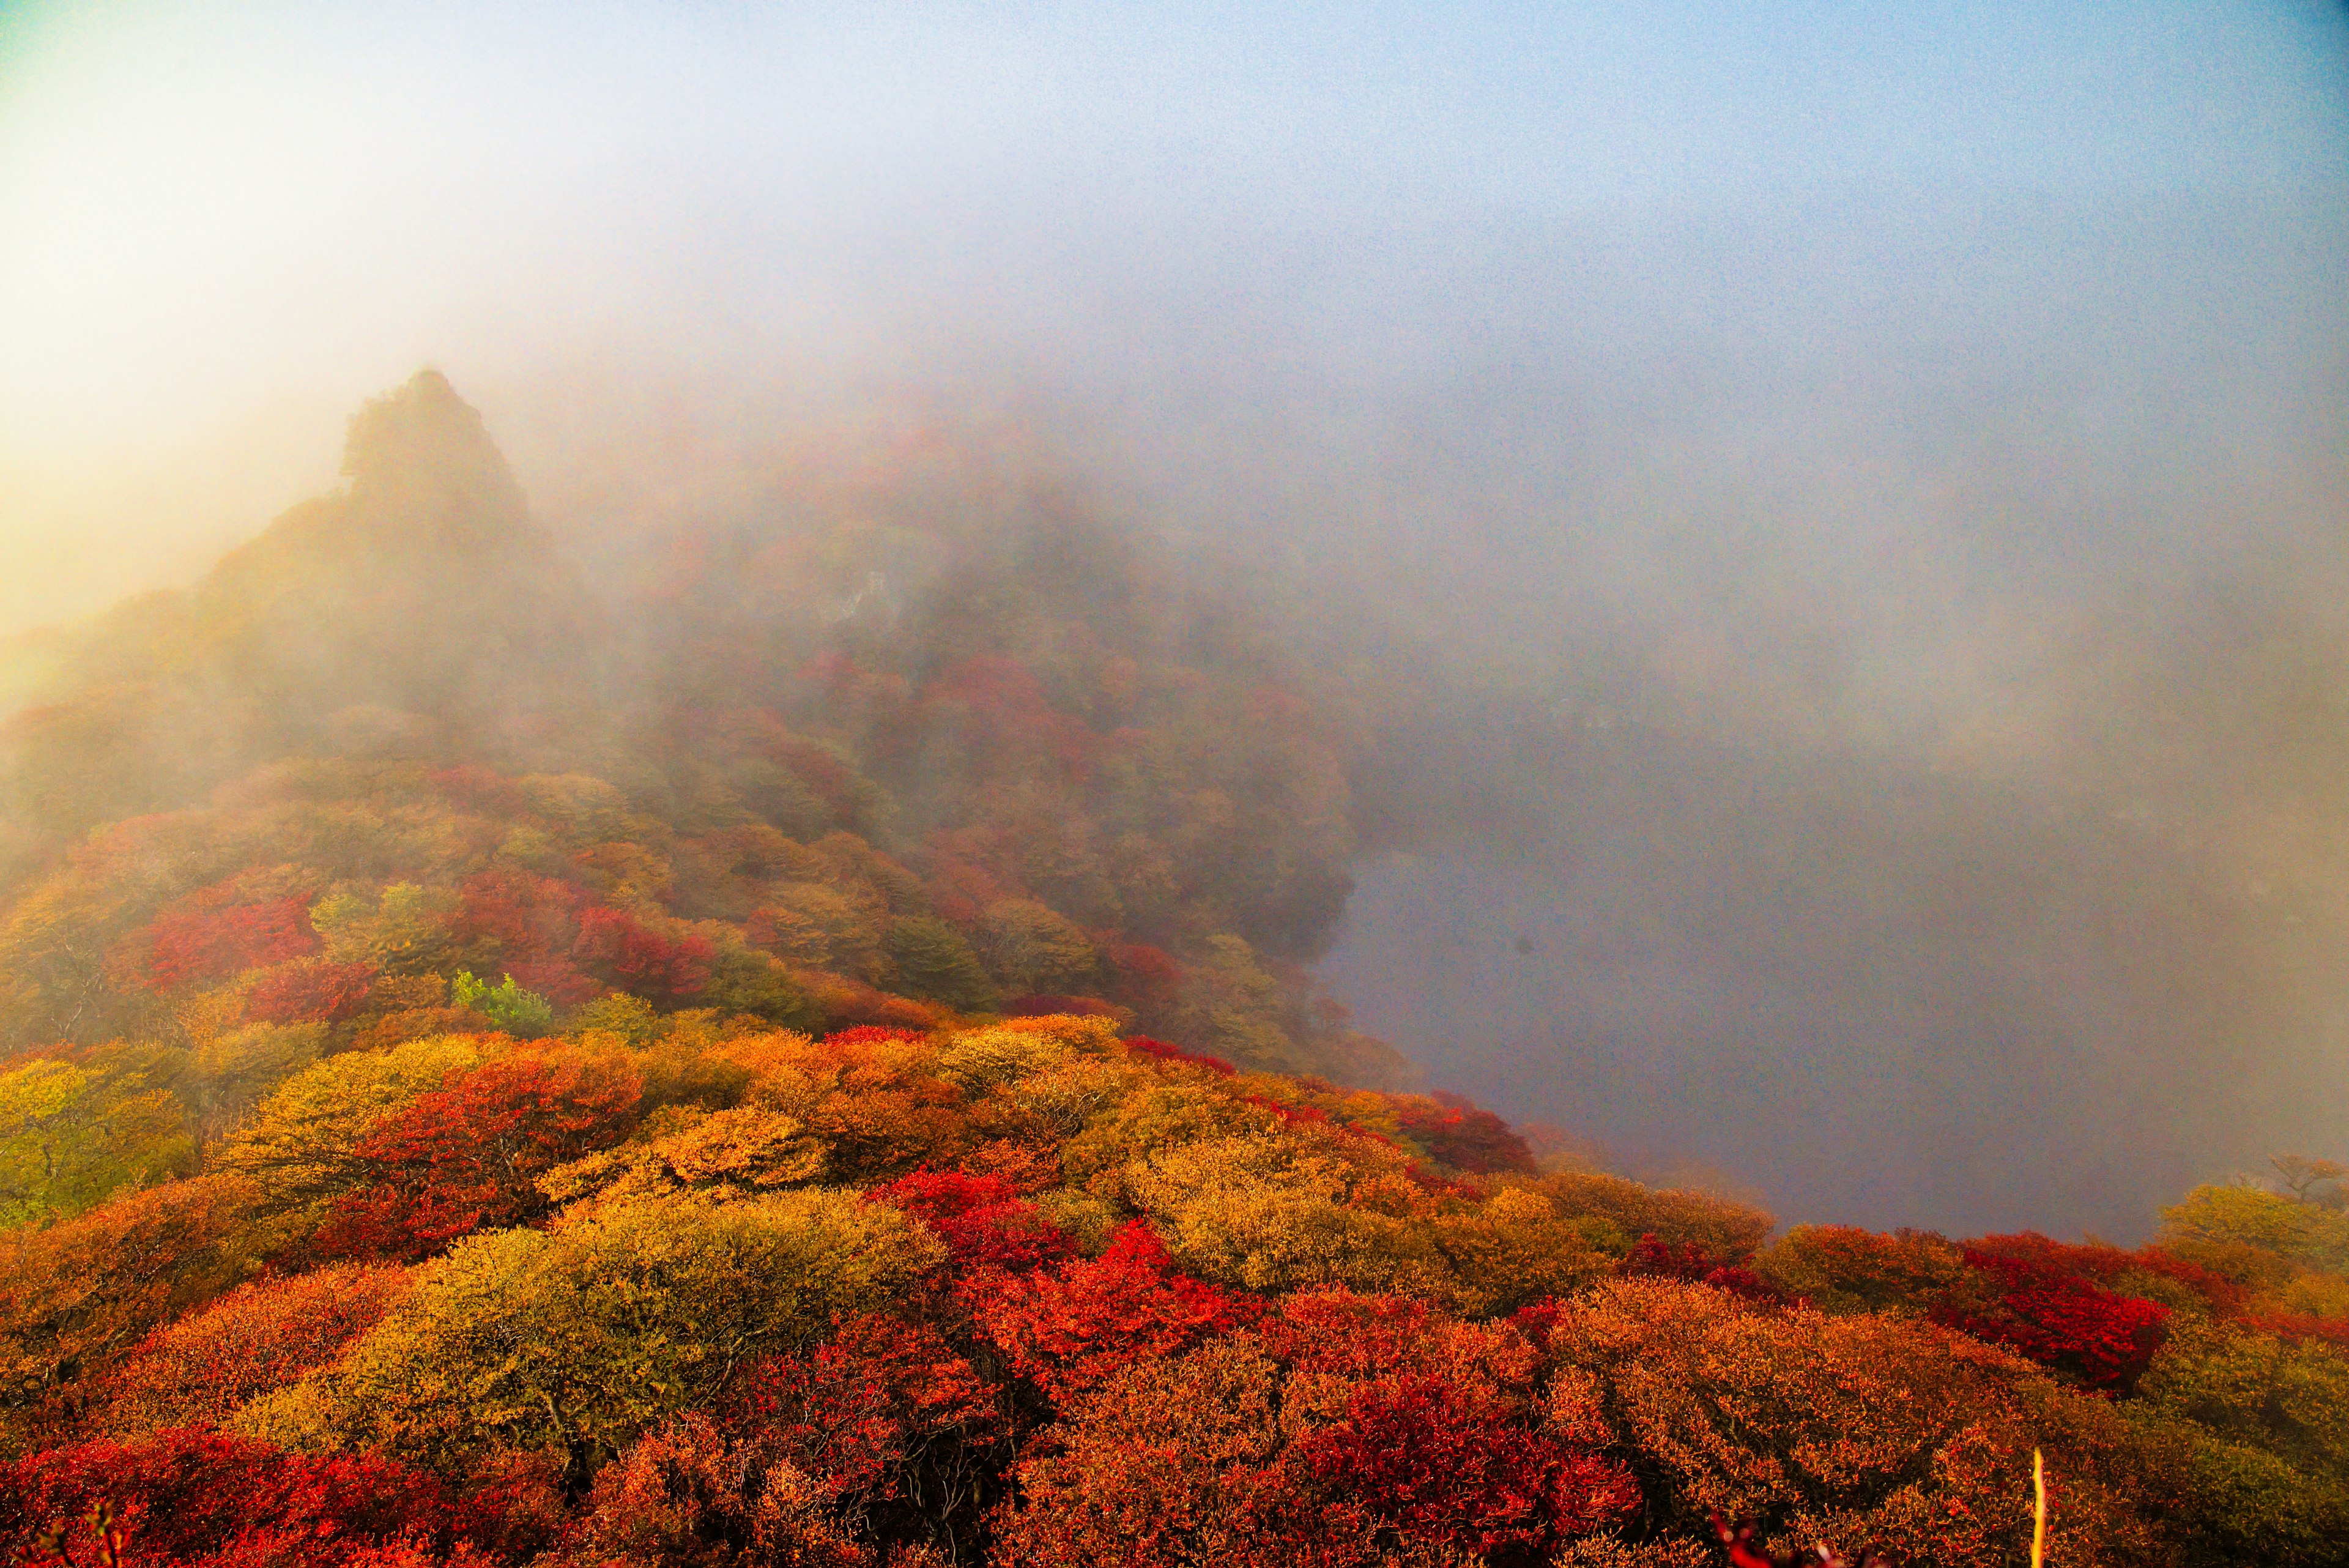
470,1155
184,1495
586,1336
260,1336
1855,1431
2079,1328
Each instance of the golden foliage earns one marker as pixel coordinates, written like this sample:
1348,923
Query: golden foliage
594,1332
1855,1431
728,1153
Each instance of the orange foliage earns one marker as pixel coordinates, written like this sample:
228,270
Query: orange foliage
470,1154
1069,1330
259,1336
1348,1430
76,1296
1857,1430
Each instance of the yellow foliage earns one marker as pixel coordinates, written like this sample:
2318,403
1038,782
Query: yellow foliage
727,1152
1515,1248
1727,1231
1313,1206
2308,1295
1063,1099
298,1143
1272,1214
1158,1116
1008,1052
596,1331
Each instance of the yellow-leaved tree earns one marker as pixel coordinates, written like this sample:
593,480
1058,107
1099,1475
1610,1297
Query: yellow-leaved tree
578,1339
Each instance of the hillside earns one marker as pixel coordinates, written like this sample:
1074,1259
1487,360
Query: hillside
833,773
810,1059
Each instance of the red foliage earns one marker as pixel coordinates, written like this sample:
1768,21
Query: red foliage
1049,1005
2062,1321
1347,1430
983,1220
1293,1116
869,1034
1160,1051
862,1404
1427,1460
198,941
479,789
1654,1258
187,1496
1071,1329
2104,1265
514,917
623,952
468,1155
317,992
1457,1134
516,1508
1148,975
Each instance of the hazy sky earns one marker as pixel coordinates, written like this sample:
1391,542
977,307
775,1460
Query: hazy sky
219,227
1821,375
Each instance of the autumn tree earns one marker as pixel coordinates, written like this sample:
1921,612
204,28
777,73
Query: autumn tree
261,1336
470,1155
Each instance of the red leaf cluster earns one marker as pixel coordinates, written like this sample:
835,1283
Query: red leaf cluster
317,992
2063,1321
1654,1258
1430,1462
1160,1051
632,956
2104,1265
982,1220
869,1034
862,1404
197,941
1069,1329
468,1155
186,1496
1457,1133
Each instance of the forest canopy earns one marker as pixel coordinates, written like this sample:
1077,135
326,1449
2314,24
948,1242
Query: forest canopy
814,1062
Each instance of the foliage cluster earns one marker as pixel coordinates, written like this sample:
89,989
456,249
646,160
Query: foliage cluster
685,1287
901,1131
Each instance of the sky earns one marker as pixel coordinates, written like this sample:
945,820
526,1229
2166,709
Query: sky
1841,372
219,229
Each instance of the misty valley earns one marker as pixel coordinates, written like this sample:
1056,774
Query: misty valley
824,1041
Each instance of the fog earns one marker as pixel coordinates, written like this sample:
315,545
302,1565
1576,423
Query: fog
1847,514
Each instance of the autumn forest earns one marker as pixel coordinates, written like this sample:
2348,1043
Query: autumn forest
815,1059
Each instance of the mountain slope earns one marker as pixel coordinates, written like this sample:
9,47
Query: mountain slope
808,1061
1018,763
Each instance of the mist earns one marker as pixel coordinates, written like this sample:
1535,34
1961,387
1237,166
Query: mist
1845,519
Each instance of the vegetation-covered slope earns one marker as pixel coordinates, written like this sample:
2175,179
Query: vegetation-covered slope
983,756
810,1065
